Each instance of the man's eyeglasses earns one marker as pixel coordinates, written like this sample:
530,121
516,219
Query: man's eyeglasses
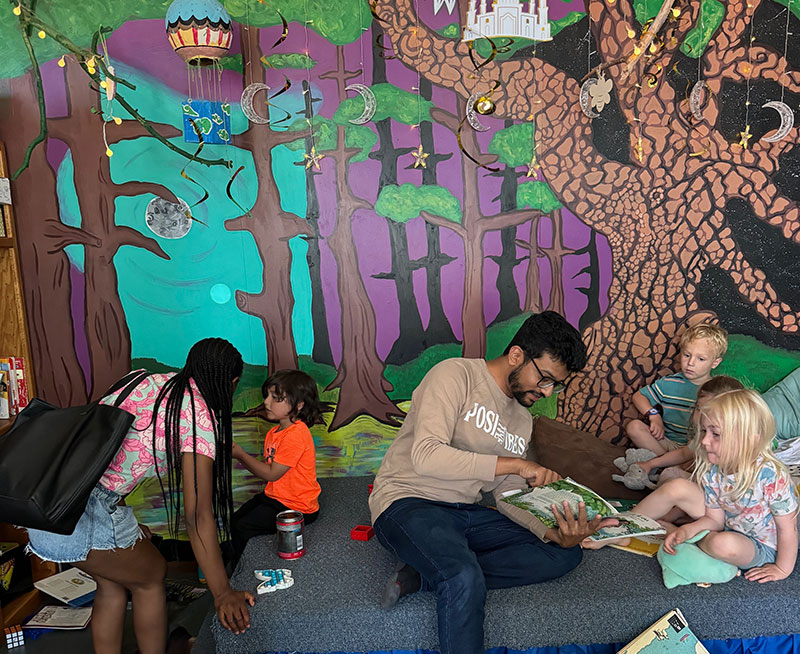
549,382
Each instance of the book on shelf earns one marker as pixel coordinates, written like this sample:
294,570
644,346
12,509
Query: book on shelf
72,586
60,617
17,385
5,412
527,506
671,633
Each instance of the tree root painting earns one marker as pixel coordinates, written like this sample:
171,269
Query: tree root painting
663,214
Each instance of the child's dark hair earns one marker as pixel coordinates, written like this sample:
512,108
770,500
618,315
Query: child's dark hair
549,333
295,386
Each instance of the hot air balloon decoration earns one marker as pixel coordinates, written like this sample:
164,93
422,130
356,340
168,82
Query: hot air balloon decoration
199,31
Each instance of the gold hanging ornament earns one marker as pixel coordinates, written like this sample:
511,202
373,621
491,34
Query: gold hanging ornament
419,157
485,106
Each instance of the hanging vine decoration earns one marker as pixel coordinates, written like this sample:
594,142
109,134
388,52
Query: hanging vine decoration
30,21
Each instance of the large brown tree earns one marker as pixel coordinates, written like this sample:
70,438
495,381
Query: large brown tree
663,213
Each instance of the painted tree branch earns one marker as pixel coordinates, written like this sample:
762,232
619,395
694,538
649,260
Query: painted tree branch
128,236
29,19
433,219
37,73
63,235
140,188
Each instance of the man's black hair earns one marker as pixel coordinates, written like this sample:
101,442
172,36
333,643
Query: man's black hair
550,333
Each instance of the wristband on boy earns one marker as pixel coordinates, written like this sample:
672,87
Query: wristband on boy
652,411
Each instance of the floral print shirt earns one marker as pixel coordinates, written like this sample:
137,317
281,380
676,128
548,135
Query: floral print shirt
135,459
754,514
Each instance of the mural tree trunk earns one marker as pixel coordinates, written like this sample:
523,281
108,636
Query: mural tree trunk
107,335
507,260
438,329
319,316
555,255
362,386
533,295
411,337
272,227
472,229
663,214
46,280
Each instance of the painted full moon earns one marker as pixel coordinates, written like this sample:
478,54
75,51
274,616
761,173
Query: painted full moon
167,219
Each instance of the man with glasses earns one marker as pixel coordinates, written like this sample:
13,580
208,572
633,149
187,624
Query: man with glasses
467,432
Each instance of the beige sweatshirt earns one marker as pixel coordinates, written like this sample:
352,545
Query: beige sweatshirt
458,424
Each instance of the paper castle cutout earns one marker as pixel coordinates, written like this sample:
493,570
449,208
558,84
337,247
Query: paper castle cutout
506,18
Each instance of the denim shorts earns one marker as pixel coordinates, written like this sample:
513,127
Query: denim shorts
764,554
104,525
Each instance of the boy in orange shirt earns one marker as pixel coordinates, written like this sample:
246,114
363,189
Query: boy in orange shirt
289,466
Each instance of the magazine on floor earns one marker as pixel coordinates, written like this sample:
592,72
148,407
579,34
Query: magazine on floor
72,587
669,635
535,504
60,617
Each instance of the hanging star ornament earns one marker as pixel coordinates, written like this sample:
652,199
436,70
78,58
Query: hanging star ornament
419,157
744,137
533,166
313,158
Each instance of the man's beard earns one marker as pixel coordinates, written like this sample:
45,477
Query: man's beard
525,398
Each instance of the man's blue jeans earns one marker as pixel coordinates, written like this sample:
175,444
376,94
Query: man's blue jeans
461,550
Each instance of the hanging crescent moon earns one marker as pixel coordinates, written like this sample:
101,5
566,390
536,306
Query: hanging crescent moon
472,119
247,103
370,104
696,99
585,100
787,120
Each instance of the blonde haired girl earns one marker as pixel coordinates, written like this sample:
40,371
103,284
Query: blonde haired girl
750,501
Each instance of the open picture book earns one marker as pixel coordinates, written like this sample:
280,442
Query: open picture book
535,504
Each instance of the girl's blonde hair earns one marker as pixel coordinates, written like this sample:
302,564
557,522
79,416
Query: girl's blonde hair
746,432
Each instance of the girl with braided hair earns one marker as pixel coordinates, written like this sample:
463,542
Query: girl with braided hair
182,433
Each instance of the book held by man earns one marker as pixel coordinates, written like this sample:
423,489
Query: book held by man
535,504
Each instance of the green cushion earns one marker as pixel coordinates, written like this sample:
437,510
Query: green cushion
783,400
691,565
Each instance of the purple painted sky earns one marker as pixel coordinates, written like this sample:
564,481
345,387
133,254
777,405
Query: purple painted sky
143,45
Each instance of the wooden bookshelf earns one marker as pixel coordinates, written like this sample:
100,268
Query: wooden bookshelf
14,341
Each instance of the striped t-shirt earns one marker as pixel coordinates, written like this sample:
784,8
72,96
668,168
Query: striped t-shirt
677,396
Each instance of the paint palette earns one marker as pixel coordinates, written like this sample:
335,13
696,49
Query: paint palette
272,580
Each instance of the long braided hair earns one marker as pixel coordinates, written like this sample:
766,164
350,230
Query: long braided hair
213,364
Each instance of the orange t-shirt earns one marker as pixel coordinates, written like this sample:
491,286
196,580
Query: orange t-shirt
293,447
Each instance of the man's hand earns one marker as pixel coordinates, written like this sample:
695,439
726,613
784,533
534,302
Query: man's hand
764,573
535,474
657,427
571,531
146,531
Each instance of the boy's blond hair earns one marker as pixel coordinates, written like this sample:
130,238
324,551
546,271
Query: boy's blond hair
716,334
746,432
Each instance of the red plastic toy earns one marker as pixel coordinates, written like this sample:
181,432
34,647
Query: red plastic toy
369,488
362,532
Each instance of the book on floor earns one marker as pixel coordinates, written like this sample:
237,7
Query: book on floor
60,617
72,587
644,545
668,635
527,505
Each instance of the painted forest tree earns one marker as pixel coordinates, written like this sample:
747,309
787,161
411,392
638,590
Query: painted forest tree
467,221
664,212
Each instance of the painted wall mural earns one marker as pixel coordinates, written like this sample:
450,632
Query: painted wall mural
354,189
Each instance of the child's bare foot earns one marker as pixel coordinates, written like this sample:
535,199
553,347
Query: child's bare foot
589,544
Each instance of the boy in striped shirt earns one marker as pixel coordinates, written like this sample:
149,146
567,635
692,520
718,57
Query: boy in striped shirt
668,401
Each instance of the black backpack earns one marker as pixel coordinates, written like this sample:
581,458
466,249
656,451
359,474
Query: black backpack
51,458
